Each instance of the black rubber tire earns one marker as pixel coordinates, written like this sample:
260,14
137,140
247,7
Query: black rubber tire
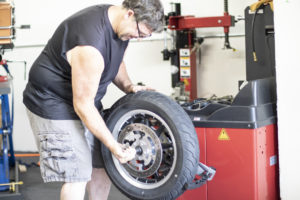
186,142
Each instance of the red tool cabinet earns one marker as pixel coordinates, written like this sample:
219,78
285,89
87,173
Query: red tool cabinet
240,141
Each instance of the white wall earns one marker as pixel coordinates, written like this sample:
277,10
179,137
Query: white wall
218,74
288,69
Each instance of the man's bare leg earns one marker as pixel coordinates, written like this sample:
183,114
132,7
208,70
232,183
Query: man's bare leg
73,191
98,187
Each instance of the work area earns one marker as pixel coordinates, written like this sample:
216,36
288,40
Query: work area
149,100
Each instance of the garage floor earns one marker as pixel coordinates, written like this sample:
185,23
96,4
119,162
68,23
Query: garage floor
34,188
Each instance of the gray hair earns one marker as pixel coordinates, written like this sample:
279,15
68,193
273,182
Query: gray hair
150,12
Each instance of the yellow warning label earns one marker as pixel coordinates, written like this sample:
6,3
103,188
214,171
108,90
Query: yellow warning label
223,135
186,82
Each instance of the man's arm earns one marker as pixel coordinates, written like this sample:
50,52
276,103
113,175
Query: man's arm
123,82
87,66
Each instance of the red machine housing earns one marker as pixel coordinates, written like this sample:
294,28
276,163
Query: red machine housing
246,164
240,141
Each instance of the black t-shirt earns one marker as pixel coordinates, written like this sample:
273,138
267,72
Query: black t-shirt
49,91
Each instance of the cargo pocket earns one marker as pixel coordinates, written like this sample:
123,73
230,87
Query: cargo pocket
59,160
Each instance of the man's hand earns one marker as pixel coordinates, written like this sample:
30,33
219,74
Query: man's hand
136,88
123,153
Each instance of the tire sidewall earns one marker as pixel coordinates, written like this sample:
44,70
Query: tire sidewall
177,178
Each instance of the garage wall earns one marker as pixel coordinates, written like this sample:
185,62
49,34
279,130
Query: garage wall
288,69
218,74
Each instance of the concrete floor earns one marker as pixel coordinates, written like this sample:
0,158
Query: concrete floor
34,188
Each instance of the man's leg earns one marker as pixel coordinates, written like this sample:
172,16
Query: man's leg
73,191
64,154
98,187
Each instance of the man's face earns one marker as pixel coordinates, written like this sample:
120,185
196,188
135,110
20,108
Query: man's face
130,29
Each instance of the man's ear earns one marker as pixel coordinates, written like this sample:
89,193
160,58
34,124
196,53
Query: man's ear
129,13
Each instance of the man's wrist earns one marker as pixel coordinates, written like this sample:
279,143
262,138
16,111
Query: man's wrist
112,145
129,88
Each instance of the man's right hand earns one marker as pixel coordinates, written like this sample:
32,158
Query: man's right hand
123,153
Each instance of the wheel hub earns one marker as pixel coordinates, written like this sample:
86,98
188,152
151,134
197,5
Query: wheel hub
139,150
148,146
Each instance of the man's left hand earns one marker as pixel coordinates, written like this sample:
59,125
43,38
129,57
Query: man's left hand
136,88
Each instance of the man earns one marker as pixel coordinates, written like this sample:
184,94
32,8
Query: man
66,84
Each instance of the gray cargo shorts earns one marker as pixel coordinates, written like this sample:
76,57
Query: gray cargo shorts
68,150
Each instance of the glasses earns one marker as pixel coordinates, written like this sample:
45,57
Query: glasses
141,35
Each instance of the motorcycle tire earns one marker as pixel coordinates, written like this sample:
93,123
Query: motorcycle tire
166,144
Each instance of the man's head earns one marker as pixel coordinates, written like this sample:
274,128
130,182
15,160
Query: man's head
142,18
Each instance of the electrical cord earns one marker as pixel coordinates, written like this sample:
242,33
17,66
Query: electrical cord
252,33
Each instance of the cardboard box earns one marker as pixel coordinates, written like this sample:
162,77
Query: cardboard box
5,23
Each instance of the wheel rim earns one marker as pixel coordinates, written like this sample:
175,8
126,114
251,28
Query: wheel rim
156,149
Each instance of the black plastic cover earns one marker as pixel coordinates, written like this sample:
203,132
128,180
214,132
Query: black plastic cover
253,107
263,38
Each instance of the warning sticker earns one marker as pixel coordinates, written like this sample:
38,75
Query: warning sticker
184,52
185,71
223,135
185,62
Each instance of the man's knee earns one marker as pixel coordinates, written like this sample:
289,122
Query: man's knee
73,191
99,176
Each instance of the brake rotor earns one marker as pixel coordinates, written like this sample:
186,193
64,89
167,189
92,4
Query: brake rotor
148,146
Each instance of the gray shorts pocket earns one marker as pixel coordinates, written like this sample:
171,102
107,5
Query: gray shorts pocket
58,159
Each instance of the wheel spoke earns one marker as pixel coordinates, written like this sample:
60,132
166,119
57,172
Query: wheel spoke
166,145
156,175
146,122
159,130
130,121
167,162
